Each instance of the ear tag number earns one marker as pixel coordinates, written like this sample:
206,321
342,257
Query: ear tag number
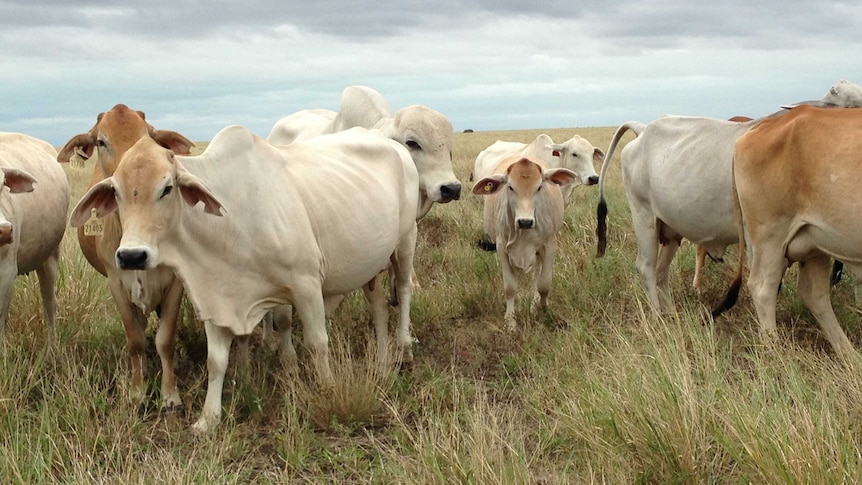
94,226
77,159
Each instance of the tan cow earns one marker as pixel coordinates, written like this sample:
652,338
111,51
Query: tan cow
34,199
796,182
523,214
137,293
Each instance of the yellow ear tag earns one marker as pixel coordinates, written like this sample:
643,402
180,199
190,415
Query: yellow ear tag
489,186
77,159
94,225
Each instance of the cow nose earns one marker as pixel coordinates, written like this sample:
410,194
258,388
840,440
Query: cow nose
132,258
525,223
592,180
450,192
5,234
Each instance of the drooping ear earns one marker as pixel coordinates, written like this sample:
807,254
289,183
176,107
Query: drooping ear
86,141
598,155
18,180
172,141
193,190
560,176
100,197
490,185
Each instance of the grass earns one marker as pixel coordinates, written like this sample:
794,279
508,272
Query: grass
599,389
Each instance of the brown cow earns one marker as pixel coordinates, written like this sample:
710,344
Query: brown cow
136,293
796,182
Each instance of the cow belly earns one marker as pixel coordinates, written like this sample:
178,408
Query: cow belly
352,265
810,241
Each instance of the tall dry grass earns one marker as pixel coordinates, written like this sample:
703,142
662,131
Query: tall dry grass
598,389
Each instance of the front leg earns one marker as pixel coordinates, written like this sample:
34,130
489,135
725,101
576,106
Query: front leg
510,285
218,352
544,272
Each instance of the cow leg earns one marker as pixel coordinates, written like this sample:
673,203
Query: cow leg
166,340
375,295
766,270
47,275
644,224
8,272
813,287
404,284
282,322
510,286
699,264
218,352
544,273
135,325
666,253
310,308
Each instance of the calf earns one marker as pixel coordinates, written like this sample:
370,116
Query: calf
523,214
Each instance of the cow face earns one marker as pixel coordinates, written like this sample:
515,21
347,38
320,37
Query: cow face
115,132
429,138
17,181
520,185
148,190
581,157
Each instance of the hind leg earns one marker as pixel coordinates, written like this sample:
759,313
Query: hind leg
814,290
47,275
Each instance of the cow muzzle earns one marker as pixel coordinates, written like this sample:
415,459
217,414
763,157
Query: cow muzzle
592,180
133,258
525,223
450,192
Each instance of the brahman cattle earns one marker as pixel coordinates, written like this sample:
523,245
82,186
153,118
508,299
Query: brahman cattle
523,214
677,177
576,154
339,209
136,293
34,199
427,134
796,182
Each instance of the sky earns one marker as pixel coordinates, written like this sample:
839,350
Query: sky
198,66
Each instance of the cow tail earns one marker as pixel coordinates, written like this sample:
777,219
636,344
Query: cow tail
733,292
602,208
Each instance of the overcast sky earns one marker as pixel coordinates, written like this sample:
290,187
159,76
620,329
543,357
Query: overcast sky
197,66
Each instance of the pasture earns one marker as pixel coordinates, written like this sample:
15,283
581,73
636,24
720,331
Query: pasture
597,390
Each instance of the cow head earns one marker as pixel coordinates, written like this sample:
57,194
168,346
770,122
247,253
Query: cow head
115,132
429,138
581,157
18,181
148,190
523,181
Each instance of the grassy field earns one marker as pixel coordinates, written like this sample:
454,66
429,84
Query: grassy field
596,390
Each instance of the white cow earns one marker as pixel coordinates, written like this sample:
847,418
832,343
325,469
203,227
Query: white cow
32,219
677,176
523,214
338,210
426,133
576,154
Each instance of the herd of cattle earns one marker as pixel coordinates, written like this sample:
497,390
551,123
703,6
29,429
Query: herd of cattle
344,191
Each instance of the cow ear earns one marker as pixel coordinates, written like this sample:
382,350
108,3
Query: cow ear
86,141
100,197
193,190
172,141
598,155
18,181
560,176
555,149
489,185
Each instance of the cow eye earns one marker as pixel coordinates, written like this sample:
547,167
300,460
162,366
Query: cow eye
413,145
168,189
101,143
